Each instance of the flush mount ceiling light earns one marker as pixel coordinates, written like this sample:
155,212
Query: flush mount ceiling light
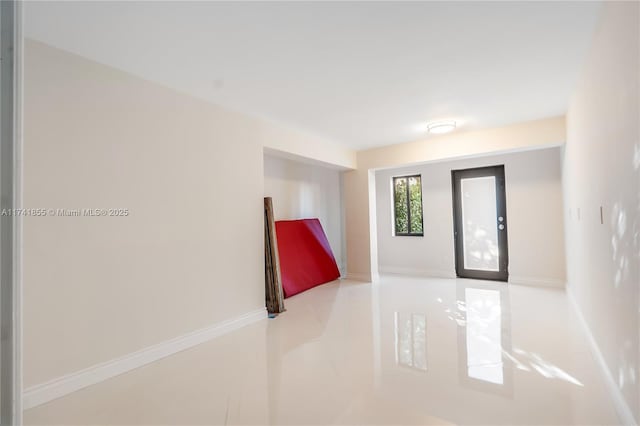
440,127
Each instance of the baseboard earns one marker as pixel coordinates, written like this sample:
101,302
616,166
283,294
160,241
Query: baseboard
358,277
414,272
537,282
435,273
45,392
622,408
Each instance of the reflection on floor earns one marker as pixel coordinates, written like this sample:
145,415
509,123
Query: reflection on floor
402,351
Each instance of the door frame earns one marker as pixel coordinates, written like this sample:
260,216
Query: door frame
501,210
11,116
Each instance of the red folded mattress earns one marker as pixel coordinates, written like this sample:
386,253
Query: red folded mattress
306,259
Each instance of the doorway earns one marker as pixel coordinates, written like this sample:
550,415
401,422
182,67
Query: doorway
480,223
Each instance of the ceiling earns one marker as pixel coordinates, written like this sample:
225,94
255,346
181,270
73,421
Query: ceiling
361,74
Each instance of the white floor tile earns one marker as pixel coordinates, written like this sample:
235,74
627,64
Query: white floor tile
402,351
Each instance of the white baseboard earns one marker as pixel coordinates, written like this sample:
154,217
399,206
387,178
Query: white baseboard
535,281
429,273
435,273
45,392
358,277
622,408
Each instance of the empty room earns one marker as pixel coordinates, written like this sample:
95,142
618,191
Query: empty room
322,212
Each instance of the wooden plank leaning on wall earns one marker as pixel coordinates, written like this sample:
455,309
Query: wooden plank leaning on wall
273,282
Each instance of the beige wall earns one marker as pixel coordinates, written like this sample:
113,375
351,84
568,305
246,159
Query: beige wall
283,141
302,191
361,229
602,168
190,253
534,215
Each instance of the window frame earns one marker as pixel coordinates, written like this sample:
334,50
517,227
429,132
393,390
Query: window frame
408,203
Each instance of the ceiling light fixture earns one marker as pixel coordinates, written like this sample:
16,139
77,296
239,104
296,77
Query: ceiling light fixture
440,127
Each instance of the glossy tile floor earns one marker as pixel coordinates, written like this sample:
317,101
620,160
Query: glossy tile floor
402,351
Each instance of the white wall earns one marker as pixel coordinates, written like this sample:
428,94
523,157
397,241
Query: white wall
360,195
189,255
602,169
534,216
302,191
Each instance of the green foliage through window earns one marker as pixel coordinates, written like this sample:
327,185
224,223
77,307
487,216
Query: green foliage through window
407,205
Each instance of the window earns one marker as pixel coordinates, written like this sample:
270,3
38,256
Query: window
407,205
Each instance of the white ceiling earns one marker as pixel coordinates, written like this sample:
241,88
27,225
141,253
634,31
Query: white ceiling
363,74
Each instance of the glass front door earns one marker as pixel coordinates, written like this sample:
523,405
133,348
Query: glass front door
480,219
